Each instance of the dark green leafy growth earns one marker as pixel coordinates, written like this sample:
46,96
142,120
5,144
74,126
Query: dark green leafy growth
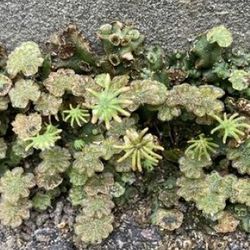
242,213
3,103
71,49
97,206
77,195
241,192
193,167
79,144
48,104
15,185
241,157
3,148
41,201
47,181
88,161
99,184
18,149
167,113
95,230
143,92
117,190
55,160
205,53
119,128
245,224
14,214
5,85
77,178
201,100
209,193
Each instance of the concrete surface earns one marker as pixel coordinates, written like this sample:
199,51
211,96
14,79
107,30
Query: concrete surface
171,23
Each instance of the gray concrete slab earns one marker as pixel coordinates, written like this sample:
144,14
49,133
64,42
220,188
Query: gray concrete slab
171,23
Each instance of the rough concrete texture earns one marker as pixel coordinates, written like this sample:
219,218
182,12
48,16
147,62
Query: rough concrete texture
172,23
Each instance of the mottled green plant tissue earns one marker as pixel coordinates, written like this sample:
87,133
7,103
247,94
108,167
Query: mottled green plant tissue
94,126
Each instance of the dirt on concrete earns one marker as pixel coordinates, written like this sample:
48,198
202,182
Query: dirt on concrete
170,23
53,230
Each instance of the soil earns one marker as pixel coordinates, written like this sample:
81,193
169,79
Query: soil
53,230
